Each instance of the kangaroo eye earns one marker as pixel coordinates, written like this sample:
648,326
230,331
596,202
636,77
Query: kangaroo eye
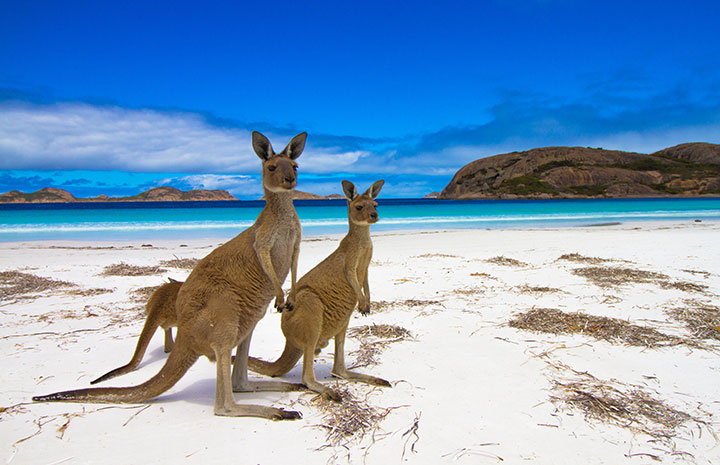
359,207
295,167
271,168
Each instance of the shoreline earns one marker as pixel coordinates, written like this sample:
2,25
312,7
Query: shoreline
619,225
177,242
502,328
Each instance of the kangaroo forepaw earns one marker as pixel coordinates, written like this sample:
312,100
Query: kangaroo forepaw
279,302
364,311
286,307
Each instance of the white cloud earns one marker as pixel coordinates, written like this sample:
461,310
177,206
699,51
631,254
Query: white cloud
73,136
238,185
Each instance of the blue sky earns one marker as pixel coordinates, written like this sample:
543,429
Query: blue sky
118,97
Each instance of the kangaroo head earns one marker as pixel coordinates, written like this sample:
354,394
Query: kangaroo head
362,209
279,170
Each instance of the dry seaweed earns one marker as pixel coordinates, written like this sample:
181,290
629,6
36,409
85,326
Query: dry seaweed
506,261
704,274
576,257
624,406
683,286
142,294
526,289
552,321
482,275
468,291
435,255
616,276
181,263
373,340
15,284
88,292
702,320
384,305
379,331
124,269
347,422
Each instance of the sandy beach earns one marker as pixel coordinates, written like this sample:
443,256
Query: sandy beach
593,345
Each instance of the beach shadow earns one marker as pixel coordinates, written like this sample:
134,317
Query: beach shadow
153,356
202,391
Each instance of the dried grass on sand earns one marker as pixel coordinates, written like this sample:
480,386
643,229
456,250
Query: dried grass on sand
383,305
142,294
15,284
373,340
620,405
607,276
124,269
576,257
347,422
506,261
701,319
552,321
526,289
181,263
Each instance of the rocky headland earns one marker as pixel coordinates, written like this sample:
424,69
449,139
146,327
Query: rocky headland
582,172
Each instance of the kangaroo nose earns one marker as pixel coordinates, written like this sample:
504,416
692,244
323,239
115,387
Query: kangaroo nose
373,215
289,179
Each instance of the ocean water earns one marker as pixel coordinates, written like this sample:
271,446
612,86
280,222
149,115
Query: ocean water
223,220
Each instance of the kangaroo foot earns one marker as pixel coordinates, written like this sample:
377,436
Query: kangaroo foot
255,386
362,378
270,413
323,390
332,395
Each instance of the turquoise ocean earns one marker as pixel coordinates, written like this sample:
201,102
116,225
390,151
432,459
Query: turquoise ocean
223,220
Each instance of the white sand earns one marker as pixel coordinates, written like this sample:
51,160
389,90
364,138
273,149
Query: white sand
477,390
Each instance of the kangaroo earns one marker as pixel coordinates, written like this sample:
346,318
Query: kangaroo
225,296
326,296
160,312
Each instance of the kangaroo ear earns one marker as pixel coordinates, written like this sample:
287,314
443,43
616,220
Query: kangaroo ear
349,190
296,146
262,146
374,190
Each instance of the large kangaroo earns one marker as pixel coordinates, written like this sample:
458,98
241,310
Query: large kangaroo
226,295
325,297
160,313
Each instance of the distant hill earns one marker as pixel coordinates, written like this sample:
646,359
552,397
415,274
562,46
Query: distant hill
579,172
156,194
300,195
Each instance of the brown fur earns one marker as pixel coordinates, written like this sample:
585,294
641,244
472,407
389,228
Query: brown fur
160,313
225,296
326,296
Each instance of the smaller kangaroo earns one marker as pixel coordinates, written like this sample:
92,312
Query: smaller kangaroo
325,297
160,312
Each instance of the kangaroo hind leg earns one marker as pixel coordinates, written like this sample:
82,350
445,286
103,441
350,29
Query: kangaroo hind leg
341,371
303,328
240,381
168,340
225,404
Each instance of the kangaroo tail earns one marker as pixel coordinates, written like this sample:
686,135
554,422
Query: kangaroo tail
285,363
151,324
178,363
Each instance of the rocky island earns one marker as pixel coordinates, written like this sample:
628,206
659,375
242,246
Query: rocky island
156,194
